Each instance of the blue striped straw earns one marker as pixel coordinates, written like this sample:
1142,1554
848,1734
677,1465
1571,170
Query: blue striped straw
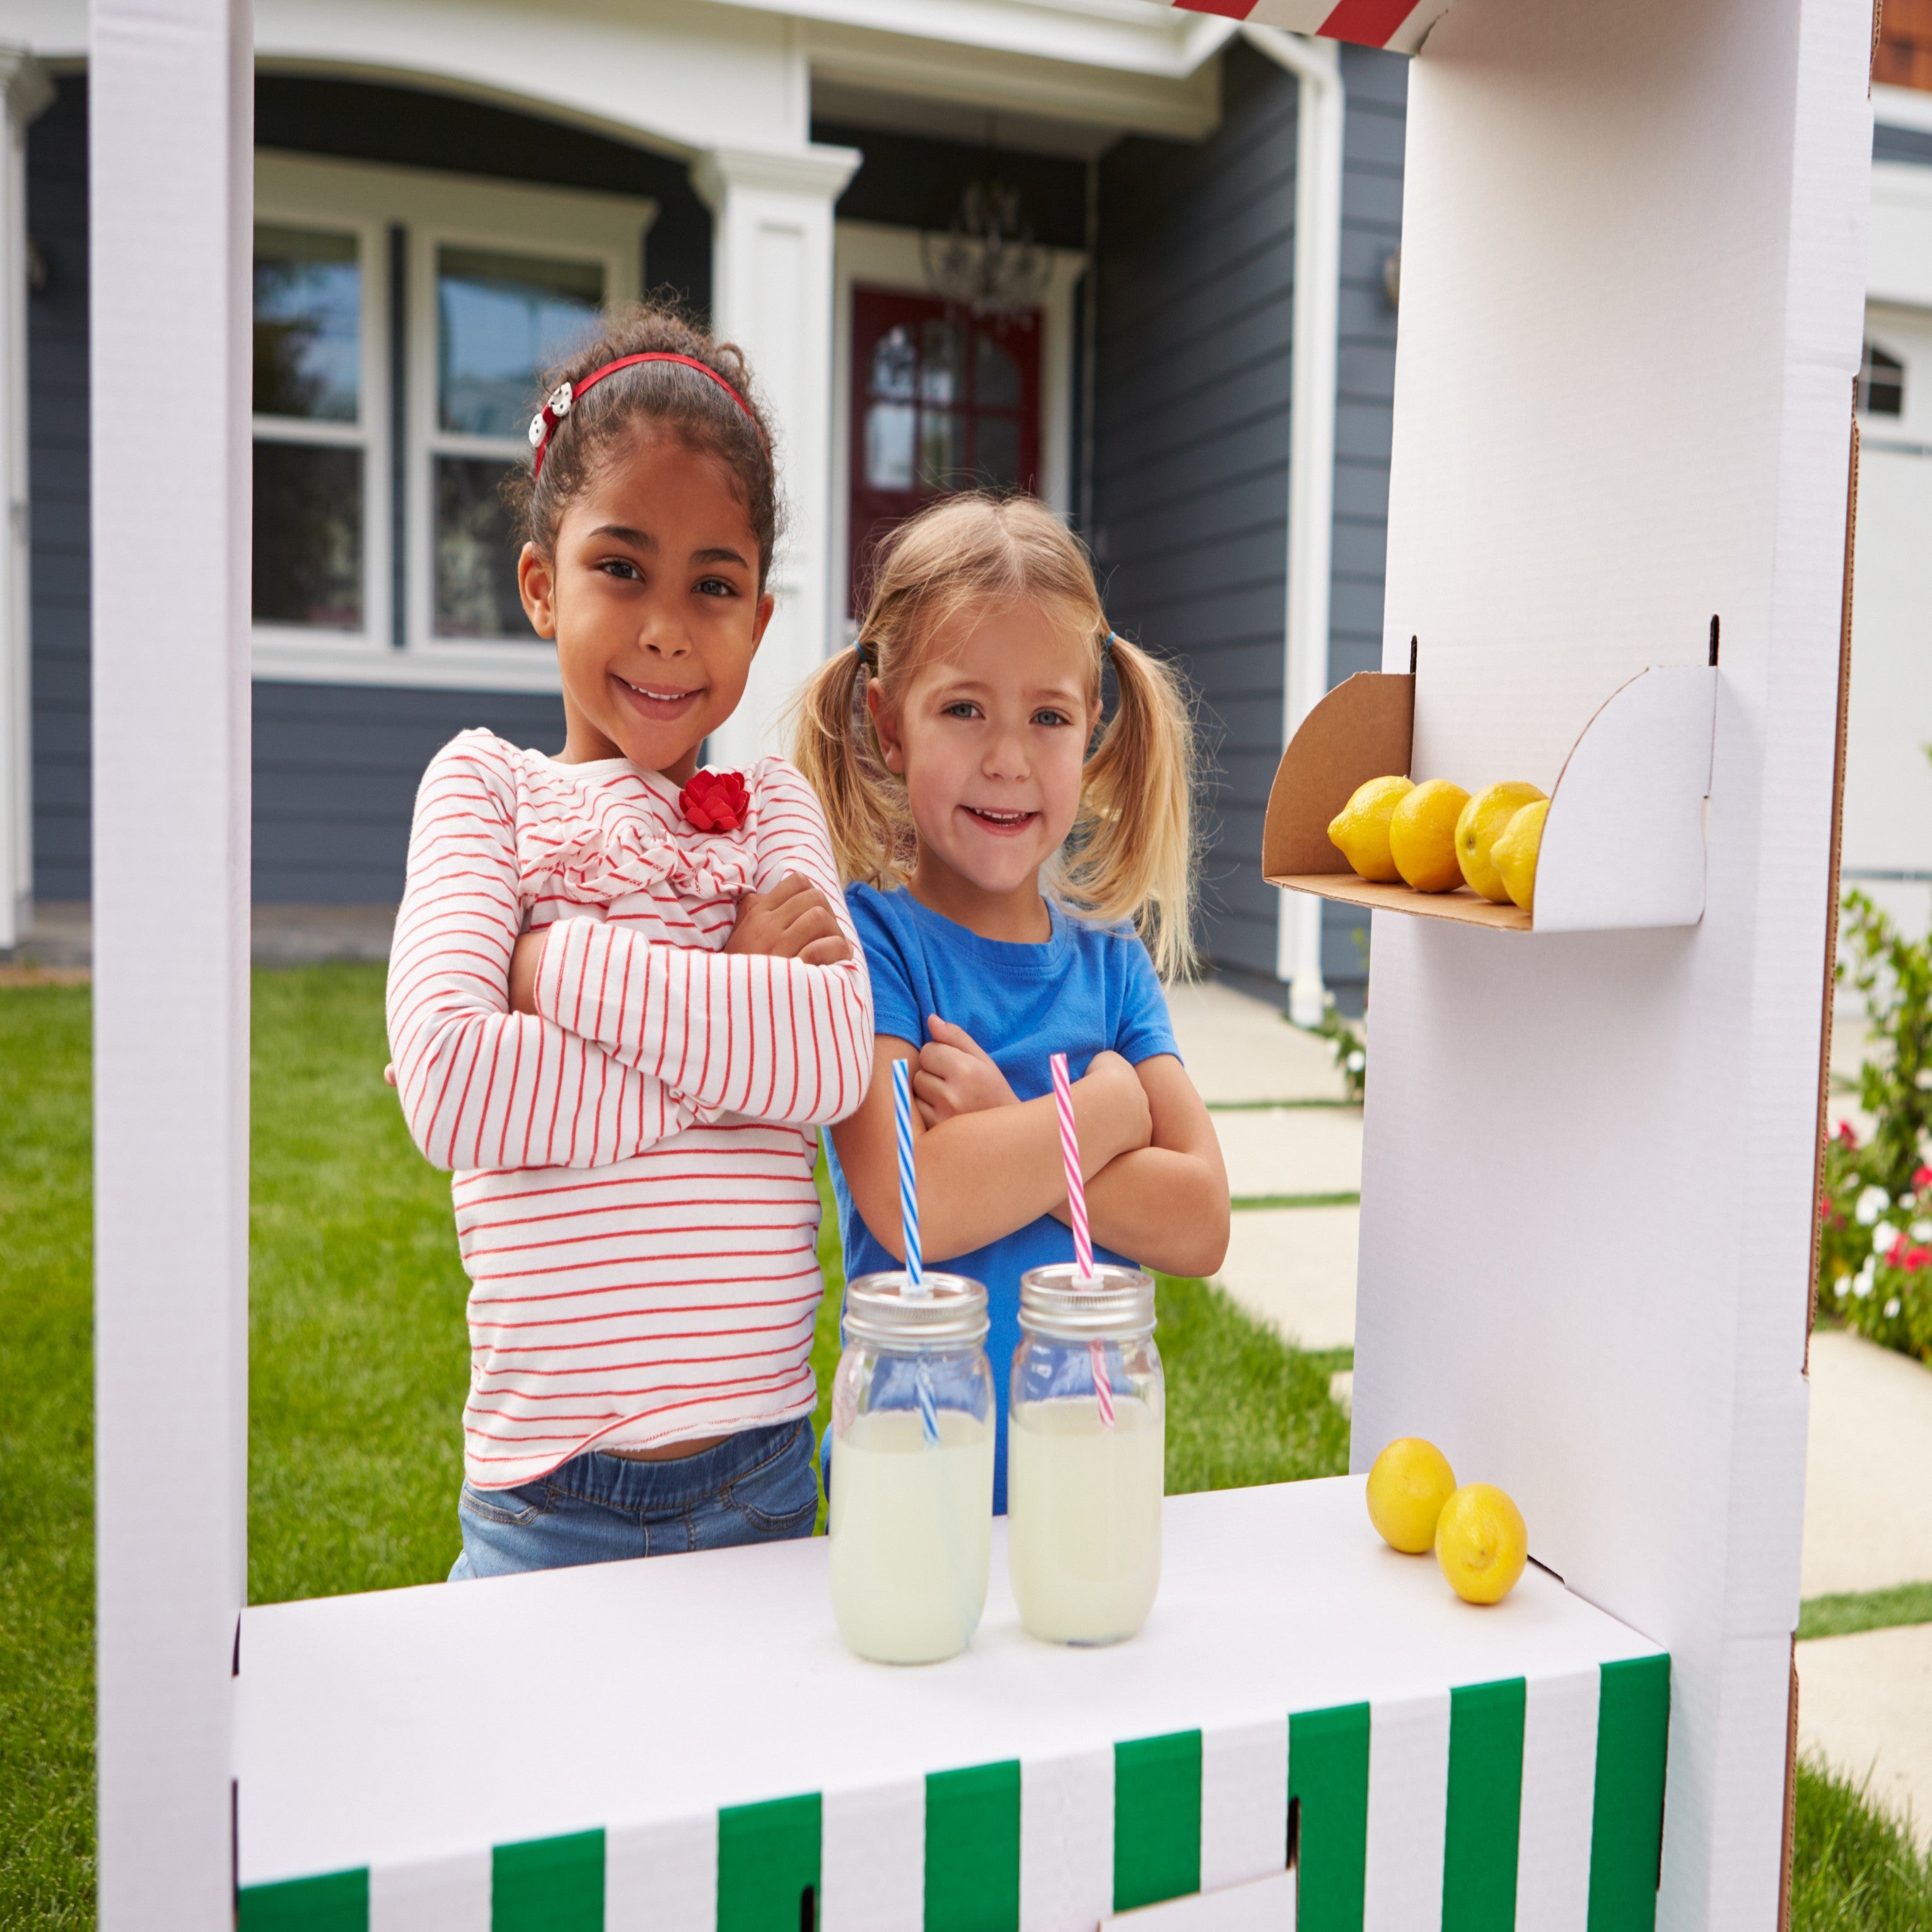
922,1376
908,1179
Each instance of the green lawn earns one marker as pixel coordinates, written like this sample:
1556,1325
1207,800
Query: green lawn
358,1367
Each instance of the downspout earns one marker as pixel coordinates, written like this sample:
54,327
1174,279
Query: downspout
1316,66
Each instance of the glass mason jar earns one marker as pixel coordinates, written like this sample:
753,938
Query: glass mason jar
913,1429
1086,1454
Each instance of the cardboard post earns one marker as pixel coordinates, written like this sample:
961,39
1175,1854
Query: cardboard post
171,96
1632,282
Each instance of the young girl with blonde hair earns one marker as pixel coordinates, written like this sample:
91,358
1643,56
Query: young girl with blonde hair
1008,888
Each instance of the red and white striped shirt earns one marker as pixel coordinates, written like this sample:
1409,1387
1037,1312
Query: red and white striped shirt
633,1163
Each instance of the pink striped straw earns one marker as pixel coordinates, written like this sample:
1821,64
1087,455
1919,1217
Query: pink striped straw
1083,1239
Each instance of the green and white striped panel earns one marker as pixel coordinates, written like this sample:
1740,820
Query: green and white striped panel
1536,1804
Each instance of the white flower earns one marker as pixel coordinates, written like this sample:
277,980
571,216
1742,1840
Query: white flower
1891,1308
1357,1061
1921,1231
1872,1203
1885,1238
1861,1282
1841,1286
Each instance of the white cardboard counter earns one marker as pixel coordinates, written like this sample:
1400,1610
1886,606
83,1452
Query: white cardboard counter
684,1745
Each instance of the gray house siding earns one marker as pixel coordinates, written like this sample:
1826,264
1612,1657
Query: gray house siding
1901,144
336,770
1192,368
335,767
58,508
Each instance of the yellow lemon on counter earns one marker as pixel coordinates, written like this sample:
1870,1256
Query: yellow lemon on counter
1422,835
1479,826
1482,1543
1410,1483
1514,852
1361,830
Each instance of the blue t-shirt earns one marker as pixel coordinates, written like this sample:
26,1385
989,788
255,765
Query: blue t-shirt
1085,990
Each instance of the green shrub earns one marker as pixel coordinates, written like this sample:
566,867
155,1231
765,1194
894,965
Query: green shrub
1875,1206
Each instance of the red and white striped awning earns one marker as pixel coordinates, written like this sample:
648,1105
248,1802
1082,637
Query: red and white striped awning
1398,24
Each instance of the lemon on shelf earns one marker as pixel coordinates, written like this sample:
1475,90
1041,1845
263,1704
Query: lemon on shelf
1422,835
1481,1543
1360,831
1411,1481
1480,824
1515,852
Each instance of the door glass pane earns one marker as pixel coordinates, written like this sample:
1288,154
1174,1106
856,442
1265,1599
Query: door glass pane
502,321
895,364
996,376
942,378
997,455
942,451
308,324
889,428
475,552
308,535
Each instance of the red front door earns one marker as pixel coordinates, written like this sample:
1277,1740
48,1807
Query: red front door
941,401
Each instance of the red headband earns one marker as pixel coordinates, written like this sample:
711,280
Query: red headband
563,398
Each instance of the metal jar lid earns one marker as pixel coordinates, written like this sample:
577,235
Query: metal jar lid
951,1314
1116,1304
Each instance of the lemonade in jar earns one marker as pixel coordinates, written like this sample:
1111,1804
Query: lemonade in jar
1086,1451
911,1509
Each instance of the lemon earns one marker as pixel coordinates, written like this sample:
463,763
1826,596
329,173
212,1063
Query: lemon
1422,835
1361,830
1410,1483
1514,852
1481,1543
1482,821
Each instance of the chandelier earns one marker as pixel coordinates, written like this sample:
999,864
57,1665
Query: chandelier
987,262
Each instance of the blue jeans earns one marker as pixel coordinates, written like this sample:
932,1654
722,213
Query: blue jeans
759,1485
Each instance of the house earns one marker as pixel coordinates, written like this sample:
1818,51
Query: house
445,194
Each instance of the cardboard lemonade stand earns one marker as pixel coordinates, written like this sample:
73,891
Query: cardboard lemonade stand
1633,246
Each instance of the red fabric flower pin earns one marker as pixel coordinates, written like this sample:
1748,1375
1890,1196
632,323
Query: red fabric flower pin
715,801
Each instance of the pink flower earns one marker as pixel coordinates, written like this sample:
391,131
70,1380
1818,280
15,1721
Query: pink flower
715,801
1921,1177
1846,1134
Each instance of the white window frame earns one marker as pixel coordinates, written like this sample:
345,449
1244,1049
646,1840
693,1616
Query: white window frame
294,202
434,209
875,255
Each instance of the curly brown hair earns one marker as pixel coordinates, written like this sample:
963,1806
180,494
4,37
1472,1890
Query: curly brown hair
666,393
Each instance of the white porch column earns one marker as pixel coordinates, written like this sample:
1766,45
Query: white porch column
171,167
771,291
27,89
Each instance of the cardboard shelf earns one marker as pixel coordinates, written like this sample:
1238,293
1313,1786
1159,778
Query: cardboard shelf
423,1748
1623,845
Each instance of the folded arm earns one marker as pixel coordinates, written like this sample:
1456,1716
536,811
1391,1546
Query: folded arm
776,1027
981,1174
481,1086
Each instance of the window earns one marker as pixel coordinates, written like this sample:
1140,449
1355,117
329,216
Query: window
942,402
1881,391
501,319
311,430
402,326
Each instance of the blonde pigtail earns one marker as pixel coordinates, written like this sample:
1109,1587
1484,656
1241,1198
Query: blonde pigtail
865,806
1131,854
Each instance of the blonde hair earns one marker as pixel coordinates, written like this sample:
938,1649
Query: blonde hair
1130,856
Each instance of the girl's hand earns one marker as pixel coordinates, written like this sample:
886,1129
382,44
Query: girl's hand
955,1075
525,959
794,920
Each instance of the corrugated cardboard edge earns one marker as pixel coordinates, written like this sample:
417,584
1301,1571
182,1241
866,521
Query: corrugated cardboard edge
1461,906
1824,1092
1363,729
